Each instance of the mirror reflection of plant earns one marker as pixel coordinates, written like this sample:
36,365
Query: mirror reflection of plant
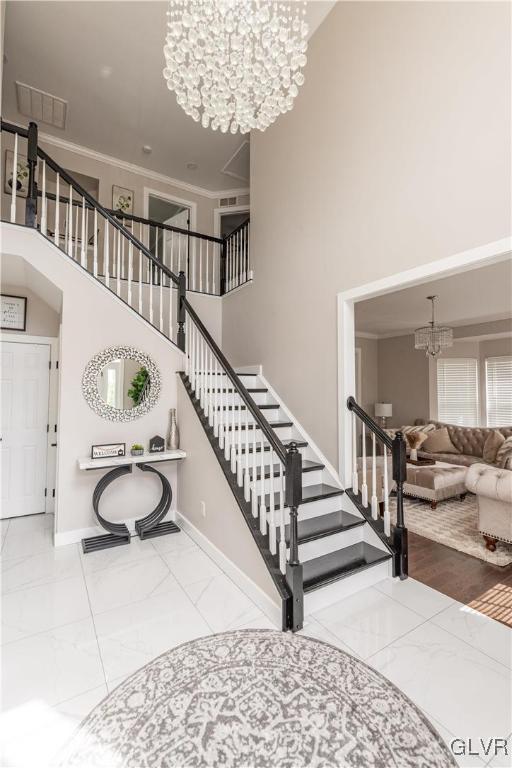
139,385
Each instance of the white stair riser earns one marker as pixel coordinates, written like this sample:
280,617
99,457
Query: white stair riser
226,417
283,433
316,508
308,478
331,593
260,398
332,543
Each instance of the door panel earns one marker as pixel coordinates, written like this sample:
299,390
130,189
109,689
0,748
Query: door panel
24,382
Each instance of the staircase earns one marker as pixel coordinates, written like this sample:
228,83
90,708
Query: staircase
319,543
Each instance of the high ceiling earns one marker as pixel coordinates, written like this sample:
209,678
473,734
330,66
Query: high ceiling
476,296
106,60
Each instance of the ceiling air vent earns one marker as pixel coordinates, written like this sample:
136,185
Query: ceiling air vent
40,106
227,202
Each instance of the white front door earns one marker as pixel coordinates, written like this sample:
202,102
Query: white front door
24,381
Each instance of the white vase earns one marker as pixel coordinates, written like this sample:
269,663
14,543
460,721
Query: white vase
414,454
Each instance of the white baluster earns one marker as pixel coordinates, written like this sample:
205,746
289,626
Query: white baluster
208,281
239,258
118,266
374,499
201,265
272,520
161,318
14,179
95,241
254,476
172,252
170,308
387,521
76,232
86,237
248,249
44,202
227,436
214,267
70,222
179,258
233,433
263,508
123,266
355,479
150,280
83,236
218,413
106,257
282,539
364,486
247,483
239,468
130,272
57,210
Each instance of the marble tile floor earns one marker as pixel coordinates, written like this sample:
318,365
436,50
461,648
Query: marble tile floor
74,626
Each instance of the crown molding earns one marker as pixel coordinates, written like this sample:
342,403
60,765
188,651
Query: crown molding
139,170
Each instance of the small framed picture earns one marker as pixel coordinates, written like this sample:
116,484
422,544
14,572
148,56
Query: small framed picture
21,174
14,312
108,451
122,200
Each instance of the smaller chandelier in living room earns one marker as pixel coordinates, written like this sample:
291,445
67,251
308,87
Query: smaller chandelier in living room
235,65
433,338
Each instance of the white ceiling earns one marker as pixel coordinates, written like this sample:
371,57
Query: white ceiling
106,60
476,296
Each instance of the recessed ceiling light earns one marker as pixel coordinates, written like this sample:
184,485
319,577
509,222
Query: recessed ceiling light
147,149
192,166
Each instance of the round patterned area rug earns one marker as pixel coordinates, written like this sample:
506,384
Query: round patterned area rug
256,699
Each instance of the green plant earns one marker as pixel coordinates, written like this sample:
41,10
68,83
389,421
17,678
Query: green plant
138,385
137,447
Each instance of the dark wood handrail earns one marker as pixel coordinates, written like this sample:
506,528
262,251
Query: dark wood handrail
237,229
11,128
269,433
370,423
169,227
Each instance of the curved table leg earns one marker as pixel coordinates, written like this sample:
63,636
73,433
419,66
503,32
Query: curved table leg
150,526
118,532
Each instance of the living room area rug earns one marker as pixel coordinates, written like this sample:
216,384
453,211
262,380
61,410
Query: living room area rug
455,524
256,699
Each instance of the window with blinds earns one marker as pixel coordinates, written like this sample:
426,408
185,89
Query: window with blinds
457,391
498,382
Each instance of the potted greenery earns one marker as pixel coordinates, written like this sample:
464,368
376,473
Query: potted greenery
137,450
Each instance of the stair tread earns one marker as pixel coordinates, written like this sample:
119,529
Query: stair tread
307,466
286,443
310,493
325,525
273,424
336,565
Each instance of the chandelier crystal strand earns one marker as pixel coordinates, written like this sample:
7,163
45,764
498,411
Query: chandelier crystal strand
235,65
433,338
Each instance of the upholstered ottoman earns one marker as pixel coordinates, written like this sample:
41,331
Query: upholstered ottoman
436,482
493,488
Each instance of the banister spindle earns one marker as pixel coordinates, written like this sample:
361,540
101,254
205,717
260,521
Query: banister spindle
263,506
44,201
95,241
77,207
130,273
247,484
239,466
83,236
374,500
282,527
57,210
254,463
272,513
355,479
294,575
70,222
233,432
364,486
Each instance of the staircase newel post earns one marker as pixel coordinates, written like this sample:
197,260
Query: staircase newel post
182,291
31,205
400,538
293,499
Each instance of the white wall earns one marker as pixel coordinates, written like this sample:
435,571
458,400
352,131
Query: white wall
396,154
91,321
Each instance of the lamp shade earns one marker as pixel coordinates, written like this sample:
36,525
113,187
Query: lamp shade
383,410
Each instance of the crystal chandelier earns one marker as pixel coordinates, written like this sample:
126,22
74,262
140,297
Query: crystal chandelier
235,64
433,338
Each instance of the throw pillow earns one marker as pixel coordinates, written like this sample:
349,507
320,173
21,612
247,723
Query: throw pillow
491,446
504,454
418,428
439,442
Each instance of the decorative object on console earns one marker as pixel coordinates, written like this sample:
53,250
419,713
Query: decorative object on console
492,445
106,379
122,199
107,451
287,677
156,444
433,338
439,441
504,454
14,312
415,439
173,433
383,411
137,450
22,173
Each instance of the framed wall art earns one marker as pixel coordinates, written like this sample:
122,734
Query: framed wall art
21,174
13,310
122,200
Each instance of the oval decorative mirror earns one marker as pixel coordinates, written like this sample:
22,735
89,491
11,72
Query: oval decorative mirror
121,383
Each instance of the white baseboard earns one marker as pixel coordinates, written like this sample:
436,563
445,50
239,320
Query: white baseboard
247,585
61,539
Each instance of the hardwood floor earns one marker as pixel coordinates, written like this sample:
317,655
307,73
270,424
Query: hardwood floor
481,585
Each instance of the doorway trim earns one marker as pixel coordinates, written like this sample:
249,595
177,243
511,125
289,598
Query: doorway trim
53,410
172,199
483,255
219,212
